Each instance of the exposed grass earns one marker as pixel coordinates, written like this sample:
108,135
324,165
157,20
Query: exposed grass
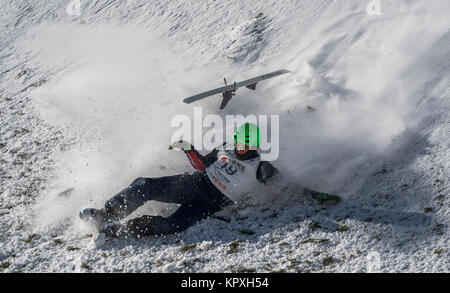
439,229
314,225
439,197
439,251
29,238
58,241
342,228
234,247
315,240
187,247
5,265
377,236
85,266
328,261
72,248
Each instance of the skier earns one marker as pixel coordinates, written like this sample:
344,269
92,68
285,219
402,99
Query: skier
224,176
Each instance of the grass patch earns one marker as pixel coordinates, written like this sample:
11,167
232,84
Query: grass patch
234,247
29,238
187,247
314,240
377,236
314,226
328,261
72,248
439,197
439,229
58,241
439,251
85,266
342,228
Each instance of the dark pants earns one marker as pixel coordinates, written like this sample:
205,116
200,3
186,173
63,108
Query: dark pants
196,194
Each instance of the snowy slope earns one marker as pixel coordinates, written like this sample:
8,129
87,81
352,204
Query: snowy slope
86,103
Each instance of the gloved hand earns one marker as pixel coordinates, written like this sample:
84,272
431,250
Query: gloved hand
181,145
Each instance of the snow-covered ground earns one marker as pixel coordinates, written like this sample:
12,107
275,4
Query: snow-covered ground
86,102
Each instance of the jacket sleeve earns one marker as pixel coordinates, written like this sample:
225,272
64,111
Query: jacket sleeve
200,162
267,173
210,158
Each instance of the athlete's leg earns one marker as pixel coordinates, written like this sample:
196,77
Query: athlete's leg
183,218
171,189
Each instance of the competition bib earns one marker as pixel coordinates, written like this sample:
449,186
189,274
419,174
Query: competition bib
233,177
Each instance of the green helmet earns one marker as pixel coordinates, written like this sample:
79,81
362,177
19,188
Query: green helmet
247,134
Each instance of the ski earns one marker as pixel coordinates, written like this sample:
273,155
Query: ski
228,91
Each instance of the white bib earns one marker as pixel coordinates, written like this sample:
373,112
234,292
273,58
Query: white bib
233,177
